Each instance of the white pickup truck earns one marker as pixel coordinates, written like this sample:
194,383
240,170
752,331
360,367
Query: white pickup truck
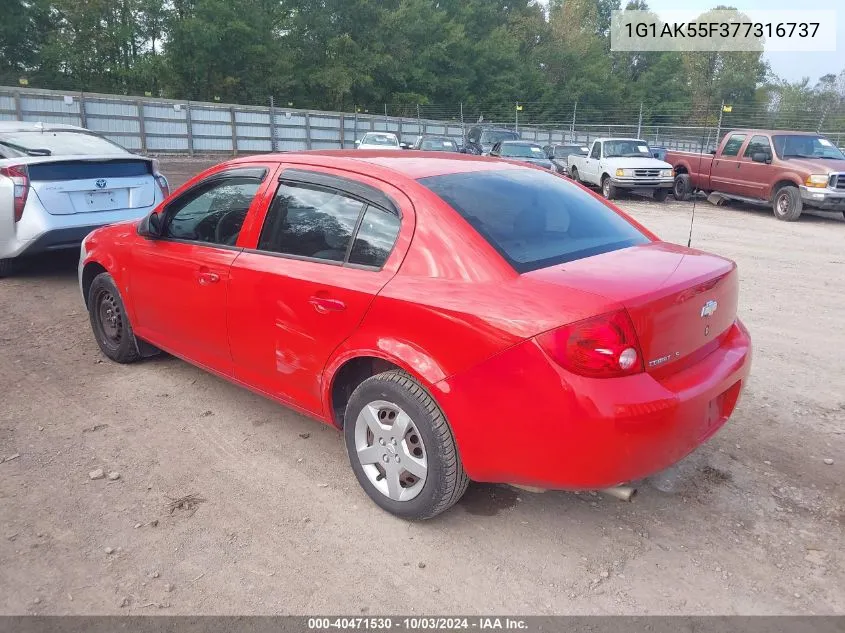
622,164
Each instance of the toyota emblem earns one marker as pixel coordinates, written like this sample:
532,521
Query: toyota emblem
101,183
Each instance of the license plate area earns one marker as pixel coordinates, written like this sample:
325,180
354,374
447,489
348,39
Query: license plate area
719,409
101,200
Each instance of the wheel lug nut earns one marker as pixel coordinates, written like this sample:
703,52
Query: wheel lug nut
397,459
385,458
381,441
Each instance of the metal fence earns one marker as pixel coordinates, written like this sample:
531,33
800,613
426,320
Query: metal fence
164,126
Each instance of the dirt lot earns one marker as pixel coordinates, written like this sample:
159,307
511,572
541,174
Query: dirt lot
751,523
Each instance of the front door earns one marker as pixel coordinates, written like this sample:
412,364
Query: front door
756,176
179,281
318,263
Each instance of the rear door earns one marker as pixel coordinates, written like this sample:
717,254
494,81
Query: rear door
329,243
591,164
179,282
725,173
89,185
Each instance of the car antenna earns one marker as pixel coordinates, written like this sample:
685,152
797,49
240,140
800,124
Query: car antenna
701,152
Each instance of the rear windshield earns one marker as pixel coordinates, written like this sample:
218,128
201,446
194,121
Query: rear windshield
522,151
562,151
438,144
534,219
58,143
491,137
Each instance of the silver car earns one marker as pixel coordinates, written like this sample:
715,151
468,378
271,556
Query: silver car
60,182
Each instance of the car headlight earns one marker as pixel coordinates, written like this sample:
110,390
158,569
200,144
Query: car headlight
666,173
621,172
816,180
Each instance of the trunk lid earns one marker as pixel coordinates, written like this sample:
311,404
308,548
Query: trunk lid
680,300
84,185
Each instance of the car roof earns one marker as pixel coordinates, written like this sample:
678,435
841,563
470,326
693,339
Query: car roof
414,165
519,142
620,138
37,126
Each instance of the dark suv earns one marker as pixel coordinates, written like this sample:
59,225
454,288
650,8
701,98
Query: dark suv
481,139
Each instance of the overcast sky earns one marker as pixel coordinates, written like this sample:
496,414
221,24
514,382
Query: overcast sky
790,66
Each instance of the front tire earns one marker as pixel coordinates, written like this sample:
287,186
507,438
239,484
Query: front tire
401,448
788,204
110,322
608,189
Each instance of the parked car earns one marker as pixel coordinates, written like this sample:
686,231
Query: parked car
559,154
379,140
622,164
480,139
782,170
60,182
435,143
523,151
421,307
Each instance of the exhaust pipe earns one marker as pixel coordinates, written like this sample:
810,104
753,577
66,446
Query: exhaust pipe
623,493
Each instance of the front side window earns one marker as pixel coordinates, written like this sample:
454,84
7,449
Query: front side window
309,221
733,145
533,218
758,145
213,213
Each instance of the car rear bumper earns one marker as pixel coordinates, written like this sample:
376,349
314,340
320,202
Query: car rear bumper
824,199
519,418
642,183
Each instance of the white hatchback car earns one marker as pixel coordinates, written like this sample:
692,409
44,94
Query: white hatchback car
60,182
378,140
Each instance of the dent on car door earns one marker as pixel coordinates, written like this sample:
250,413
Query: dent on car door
178,281
327,246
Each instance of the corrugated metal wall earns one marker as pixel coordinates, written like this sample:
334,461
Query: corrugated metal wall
162,126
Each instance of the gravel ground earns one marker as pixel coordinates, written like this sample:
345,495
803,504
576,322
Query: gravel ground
751,523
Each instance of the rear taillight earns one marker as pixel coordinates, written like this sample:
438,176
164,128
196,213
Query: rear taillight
605,346
161,181
20,179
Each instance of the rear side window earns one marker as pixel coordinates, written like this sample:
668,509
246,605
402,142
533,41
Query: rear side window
532,218
375,238
758,145
308,221
596,153
733,145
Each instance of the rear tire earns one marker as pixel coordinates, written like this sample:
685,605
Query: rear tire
8,267
379,452
787,203
660,195
682,187
110,322
573,173
608,189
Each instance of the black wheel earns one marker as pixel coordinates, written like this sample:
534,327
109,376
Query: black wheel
573,173
8,267
660,194
682,187
401,447
608,189
788,204
110,322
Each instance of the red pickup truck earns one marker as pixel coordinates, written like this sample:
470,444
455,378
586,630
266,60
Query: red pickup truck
785,171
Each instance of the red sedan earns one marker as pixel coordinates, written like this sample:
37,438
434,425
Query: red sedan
458,317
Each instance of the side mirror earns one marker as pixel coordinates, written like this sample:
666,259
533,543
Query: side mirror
151,226
405,145
357,143
761,157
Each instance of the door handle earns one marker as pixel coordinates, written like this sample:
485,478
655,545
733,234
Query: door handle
324,305
208,278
